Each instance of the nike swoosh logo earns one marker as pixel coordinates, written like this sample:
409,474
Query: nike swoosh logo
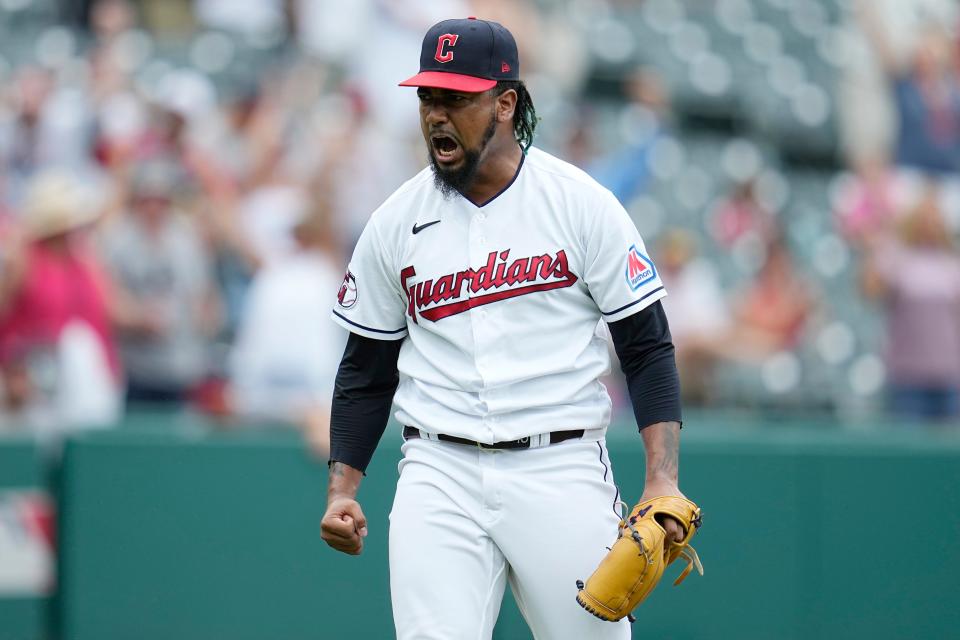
417,229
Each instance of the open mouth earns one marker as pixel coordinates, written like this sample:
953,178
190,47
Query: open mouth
445,148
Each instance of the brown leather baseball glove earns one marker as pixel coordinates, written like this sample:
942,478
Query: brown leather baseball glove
635,564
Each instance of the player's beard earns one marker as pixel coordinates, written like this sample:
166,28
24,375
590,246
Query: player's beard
458,181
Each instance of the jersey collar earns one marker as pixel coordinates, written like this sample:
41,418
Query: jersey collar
523,157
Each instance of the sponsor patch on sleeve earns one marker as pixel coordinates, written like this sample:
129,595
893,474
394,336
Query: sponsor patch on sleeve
347,296
640,269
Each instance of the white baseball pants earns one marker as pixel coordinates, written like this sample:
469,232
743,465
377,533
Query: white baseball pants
466,521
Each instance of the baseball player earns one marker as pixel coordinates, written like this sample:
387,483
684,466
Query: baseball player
473,300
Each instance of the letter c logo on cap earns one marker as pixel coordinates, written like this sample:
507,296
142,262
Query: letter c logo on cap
443,53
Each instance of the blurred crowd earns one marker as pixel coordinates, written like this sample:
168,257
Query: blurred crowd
173,235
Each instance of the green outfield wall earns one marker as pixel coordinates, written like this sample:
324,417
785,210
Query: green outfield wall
179,534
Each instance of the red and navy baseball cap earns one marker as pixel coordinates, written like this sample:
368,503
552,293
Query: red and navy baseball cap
466,55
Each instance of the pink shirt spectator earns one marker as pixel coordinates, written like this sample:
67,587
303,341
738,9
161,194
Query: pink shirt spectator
740,215
57,289
865,206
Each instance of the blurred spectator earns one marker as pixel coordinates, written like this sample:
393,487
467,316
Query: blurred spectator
626,171
869,200
122,117
186,105
926,94
330,29
254,18
253,127
269,211
27,149
287,350
771,314
22,409
696,309
57,347
272,198
358,163
168,305
581,143
252,225
741,216
109,19
915,274
875,197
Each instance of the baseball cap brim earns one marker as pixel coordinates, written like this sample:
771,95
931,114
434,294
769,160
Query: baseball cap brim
452,81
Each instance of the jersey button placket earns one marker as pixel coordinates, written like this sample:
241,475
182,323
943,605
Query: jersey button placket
478,252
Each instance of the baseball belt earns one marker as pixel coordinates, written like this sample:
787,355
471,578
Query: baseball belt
522,443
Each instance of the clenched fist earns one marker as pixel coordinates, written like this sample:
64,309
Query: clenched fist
344,526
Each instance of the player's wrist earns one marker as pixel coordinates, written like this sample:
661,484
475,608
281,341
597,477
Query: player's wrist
662,476
340,497
659,485
344,481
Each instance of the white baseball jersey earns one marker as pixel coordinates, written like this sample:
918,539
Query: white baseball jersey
500,303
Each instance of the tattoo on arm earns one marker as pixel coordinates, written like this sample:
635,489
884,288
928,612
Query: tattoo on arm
344,480
662,444
667,463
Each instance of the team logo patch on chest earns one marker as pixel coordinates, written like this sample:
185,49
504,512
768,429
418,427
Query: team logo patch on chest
640,269
499,279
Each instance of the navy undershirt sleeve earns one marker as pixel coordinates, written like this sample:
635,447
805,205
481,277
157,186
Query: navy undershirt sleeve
645,348
362,396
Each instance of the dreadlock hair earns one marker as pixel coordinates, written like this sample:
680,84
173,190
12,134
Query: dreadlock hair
524,115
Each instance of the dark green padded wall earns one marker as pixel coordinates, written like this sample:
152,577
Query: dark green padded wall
808,533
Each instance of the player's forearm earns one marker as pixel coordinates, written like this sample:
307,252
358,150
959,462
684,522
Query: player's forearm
363,393
662,444
646,353
357,422
344,481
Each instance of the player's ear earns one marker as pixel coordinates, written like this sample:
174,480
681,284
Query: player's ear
506,105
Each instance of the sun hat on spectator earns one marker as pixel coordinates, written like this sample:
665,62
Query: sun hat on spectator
56,203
